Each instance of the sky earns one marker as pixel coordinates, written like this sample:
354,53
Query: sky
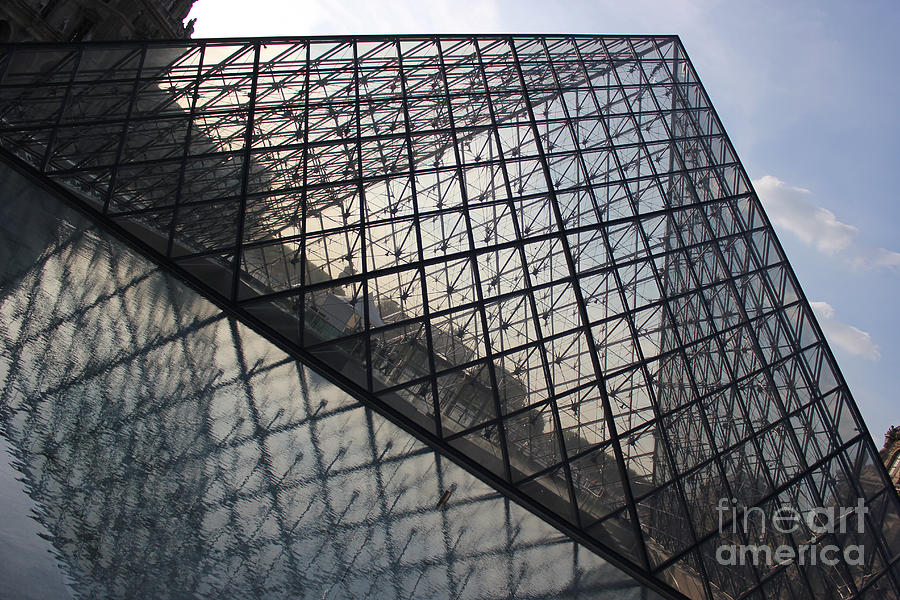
807,91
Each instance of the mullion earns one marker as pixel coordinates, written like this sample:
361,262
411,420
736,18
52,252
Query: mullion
443,211
819,334
332,143
560,440
325,285
814,401
120,144
635,335
363,219
187,148
300,256
717,333
245,178
773,495
67,94
797,447
473,264
586,331
775,394
681,347
423,280
542,286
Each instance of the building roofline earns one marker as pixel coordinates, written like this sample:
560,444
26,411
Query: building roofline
343,38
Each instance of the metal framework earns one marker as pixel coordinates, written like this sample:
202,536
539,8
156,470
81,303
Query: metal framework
540,254
242,475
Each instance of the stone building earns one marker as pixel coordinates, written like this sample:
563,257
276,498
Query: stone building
82,20
890,454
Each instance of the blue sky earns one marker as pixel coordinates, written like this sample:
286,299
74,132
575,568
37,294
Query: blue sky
808,92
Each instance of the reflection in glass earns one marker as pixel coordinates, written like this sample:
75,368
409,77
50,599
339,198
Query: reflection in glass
171,452
540,251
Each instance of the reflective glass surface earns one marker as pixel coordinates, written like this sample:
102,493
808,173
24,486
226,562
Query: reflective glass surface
154,448
541,254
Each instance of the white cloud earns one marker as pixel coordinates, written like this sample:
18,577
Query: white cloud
887,258
790,209
849,338
223,18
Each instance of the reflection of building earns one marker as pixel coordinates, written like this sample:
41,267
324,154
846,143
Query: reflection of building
540,255
75,20
890,454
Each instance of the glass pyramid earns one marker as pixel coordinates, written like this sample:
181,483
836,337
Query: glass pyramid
167,451
539,254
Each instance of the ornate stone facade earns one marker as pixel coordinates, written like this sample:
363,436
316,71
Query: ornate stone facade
890,454
76,20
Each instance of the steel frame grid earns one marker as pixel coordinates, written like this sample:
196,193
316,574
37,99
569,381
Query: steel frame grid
703,181
53,436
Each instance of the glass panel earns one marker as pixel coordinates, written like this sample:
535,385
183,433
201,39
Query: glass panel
153,446
539,252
